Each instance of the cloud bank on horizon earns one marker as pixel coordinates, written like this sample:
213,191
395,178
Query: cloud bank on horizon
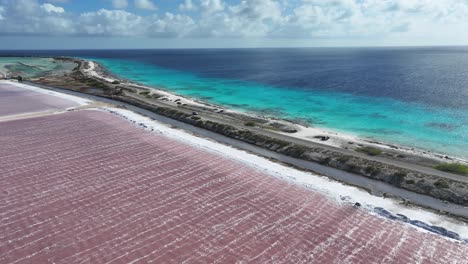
431,21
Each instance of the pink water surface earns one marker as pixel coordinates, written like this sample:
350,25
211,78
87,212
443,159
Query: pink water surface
88,187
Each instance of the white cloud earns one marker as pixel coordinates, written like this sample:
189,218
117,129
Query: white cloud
187,5
22,7
258,10
145,4
367,18
306,19
54,25
28,17
211,6
111,23
253,18
170,25
119,4
50,8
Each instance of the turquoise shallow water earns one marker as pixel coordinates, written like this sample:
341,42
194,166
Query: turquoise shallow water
440,129
31,66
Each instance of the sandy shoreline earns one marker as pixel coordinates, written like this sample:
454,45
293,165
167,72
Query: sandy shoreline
336,139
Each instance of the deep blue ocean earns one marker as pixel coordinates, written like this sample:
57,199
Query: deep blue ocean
412,96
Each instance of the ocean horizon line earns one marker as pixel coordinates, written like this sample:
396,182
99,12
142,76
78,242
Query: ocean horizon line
243,48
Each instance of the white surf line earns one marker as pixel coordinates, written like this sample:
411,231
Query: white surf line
76,99
338,191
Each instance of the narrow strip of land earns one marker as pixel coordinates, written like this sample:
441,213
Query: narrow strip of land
208,115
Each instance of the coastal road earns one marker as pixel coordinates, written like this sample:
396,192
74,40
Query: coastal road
377,187
353,179
228,121
232,122
406,165
224,120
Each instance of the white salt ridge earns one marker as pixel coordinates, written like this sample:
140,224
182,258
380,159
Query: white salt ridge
340,192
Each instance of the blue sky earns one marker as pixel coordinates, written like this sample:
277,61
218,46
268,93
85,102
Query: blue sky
75,24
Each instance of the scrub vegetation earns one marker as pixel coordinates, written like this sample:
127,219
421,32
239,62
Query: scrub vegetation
453,168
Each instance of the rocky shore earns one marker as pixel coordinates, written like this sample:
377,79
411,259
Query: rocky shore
389,164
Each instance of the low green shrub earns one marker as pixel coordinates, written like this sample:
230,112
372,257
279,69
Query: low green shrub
344,159
249,124
441,184
325,161
398,178
373,171
96,84
370,151
296,151
453,168
352,168
400,174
